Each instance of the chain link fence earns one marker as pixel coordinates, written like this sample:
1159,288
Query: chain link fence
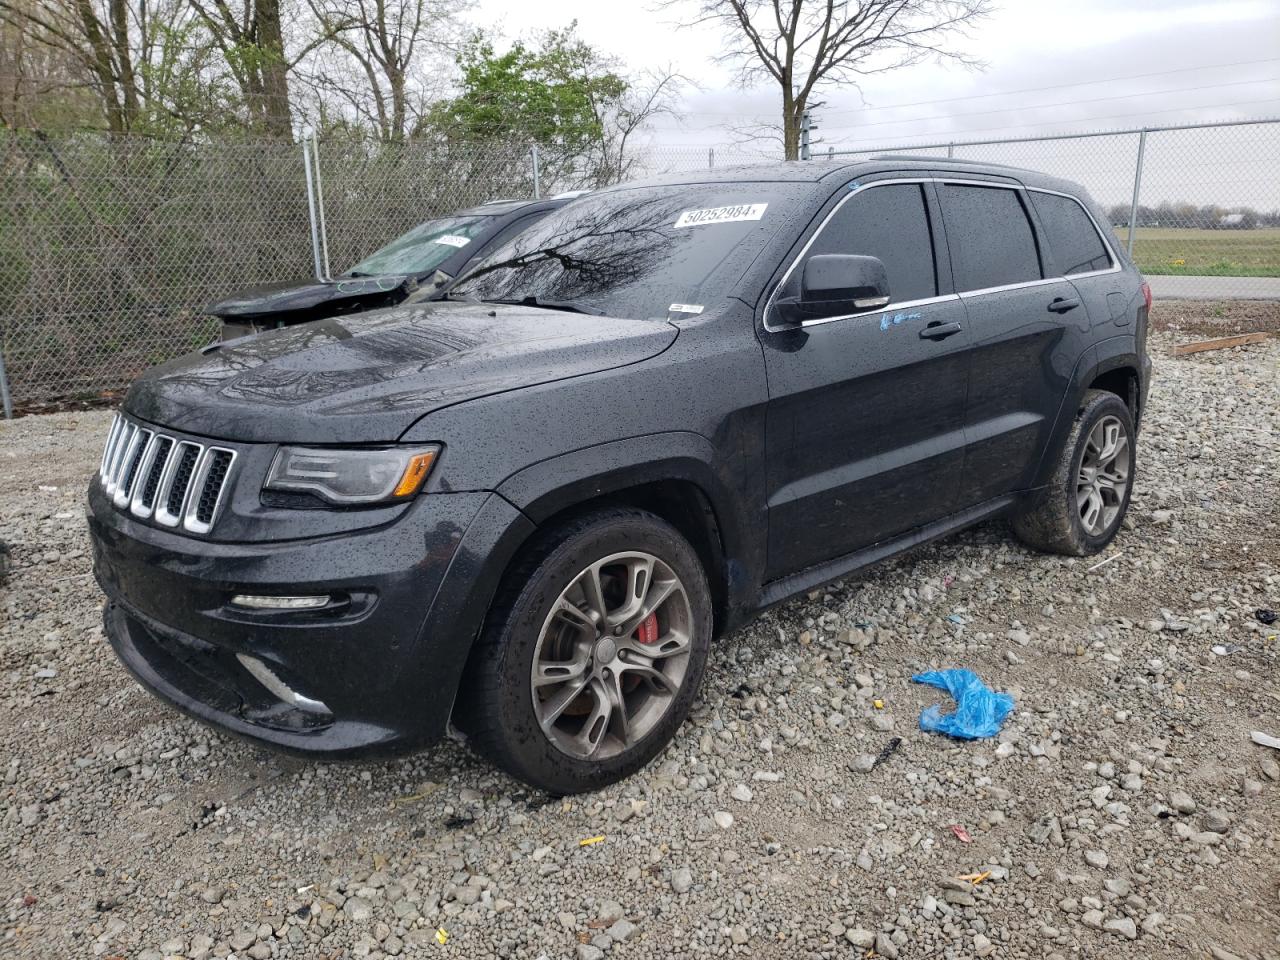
109,248
1198,206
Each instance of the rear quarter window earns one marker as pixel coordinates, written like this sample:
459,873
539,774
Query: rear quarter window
989,236
1073,239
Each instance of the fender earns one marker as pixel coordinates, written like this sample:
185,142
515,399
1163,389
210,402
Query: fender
544,489
1101,357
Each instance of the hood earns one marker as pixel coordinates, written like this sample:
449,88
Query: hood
366,378
301,300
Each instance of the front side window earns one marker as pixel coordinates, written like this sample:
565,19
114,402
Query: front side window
990,238
1072,237
423,248
637,252
891,223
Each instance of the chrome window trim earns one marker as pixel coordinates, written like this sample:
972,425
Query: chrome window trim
1102,235
195,490
941,298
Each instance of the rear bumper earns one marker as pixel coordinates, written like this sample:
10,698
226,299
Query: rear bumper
374,672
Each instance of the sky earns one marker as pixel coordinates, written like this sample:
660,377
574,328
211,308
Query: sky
1050,67
1189,61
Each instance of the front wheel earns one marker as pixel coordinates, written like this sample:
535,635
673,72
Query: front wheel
1080,510
592,653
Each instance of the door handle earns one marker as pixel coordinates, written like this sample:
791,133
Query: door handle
1063,304
937,330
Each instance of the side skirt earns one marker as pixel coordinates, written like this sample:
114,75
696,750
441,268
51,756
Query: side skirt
775,591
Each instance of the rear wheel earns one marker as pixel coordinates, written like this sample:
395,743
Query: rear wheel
1080,510
592,653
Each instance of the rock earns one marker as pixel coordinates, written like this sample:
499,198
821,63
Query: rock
738,934
983,947
1096,858
589,951
609,911
862,939
886,947
242,940
682,880
1182,802
863,763
1221,953
359,909
1152,922
723,819
1120,886
1217,820
622,930
741,793
1092,918
1122,927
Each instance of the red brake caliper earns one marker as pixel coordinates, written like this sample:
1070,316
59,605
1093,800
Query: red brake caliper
647,632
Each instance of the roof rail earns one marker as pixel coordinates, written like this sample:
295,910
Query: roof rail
963,161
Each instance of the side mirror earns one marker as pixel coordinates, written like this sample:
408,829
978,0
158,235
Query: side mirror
834,285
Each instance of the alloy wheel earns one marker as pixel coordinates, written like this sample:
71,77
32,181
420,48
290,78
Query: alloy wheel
612,655
1104,475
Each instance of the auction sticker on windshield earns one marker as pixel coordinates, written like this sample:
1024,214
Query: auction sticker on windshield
741,211
453,240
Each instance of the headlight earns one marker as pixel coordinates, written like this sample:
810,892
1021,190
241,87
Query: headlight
353,475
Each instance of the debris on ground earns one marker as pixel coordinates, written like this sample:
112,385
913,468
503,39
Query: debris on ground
979,710
1266,616
145,834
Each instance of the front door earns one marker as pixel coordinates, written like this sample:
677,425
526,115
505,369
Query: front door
865,426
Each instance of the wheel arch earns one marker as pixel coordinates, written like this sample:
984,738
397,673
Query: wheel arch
1113,365
670,475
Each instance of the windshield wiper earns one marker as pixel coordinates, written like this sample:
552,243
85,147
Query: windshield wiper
569,306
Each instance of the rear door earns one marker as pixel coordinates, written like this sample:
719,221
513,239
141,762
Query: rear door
865,426
1024,326
1077,248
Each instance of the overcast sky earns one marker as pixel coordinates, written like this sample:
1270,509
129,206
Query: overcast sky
1189,60
1050,67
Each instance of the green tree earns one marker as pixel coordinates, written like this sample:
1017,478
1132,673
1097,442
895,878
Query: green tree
559,94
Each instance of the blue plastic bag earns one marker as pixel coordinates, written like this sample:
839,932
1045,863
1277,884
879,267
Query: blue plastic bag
979,711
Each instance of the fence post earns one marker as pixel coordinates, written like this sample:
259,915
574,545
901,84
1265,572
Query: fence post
951,150
4,390
311,207
711,158
1137,185
324,233
804,135
537,187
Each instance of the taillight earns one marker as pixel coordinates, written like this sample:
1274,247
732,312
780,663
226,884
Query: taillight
1146,294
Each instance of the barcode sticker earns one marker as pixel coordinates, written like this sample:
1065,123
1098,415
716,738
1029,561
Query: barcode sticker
741,211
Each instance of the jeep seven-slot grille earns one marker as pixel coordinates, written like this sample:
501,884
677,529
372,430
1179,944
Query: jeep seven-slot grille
172,481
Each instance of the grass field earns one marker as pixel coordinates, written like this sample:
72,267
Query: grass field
1211,253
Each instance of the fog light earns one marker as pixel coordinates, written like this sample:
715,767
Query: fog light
278,603
264,675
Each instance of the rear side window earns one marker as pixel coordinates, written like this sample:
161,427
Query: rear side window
1073,238
891,223
990,238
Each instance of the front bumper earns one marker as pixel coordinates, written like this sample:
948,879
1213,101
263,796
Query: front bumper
382,660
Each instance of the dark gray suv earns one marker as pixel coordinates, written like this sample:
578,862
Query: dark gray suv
525,512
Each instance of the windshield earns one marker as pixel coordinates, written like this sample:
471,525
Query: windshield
637,253
423,248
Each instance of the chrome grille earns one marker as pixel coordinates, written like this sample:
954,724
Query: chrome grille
171,481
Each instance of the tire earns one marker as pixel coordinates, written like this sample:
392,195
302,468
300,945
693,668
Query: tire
1053,520
543,614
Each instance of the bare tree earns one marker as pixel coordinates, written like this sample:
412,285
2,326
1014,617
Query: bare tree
387,40
805,45
252,43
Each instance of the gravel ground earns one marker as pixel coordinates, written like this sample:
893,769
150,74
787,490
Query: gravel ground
1122,812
